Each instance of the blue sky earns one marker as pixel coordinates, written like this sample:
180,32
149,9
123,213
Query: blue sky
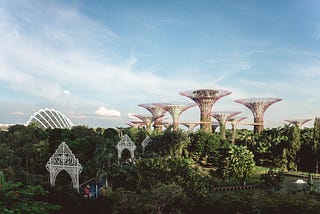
96,60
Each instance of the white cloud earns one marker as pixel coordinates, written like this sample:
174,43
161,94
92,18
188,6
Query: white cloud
42,63
66,92
20,113
316,31
105,112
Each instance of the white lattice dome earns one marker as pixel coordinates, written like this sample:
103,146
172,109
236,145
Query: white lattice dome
50,118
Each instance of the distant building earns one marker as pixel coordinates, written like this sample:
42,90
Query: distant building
4,127
50,118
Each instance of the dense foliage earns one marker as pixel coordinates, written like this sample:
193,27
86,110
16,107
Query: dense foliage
177,172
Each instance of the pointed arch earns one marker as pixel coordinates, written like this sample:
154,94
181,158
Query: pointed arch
64,159
126,143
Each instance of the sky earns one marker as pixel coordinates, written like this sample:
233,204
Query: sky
95,61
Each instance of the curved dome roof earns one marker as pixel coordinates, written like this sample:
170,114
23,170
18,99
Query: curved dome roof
50,118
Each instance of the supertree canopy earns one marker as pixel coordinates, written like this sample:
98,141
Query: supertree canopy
258,106
175,109
136,124
298,122
147,119
205,98
222,117
157,112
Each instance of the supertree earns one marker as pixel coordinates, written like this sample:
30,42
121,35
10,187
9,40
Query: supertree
147,119
223,117
258,106
157,112
234,121
175,109
135,124
190,126
298,122
205,98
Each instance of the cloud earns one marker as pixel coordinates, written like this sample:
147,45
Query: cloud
316,31
43,60
66,92
17,113
77,116
105,112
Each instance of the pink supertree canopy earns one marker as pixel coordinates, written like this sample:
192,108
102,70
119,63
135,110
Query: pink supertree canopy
175,109
157,113
258,106
205,98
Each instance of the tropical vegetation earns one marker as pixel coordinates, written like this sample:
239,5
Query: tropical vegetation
177,172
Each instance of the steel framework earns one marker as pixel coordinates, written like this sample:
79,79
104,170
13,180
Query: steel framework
147,119
64,159
298,122
258,106
205,98
157,112
222,117
50,118
175,110
135,124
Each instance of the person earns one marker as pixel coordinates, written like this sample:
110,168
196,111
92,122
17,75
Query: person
87,191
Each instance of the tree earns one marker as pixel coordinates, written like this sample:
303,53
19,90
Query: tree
240,163
294,147
199,143
316,141
169,143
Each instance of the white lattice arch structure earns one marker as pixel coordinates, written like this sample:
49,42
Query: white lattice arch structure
64,159
126,143
145,143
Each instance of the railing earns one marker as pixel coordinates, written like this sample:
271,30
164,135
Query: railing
86,182
236,188
94,189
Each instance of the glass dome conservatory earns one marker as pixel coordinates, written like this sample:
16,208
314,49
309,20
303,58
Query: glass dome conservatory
50,118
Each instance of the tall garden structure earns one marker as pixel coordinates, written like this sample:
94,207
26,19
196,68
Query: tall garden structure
147,119
135,124
223,117
157,112
234,121
298,122
205,98
175,109
258,106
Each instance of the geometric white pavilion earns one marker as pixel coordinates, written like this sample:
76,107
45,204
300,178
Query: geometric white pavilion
64,159
126,143
145,143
